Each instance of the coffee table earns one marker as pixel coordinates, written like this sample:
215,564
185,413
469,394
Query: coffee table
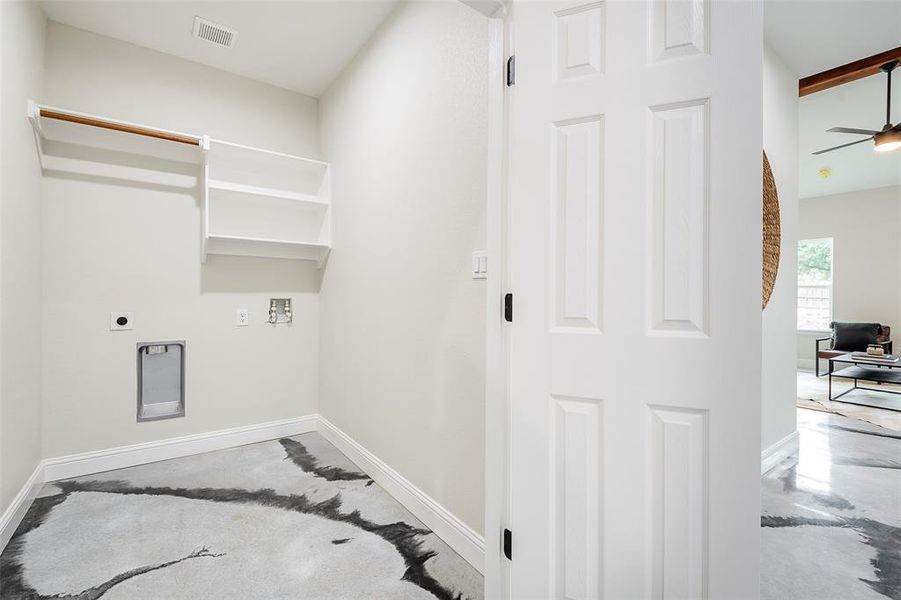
865,369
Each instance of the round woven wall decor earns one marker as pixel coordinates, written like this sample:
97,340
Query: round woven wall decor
772,234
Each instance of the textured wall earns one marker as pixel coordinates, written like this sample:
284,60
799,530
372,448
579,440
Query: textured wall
22,39
780,141
403,323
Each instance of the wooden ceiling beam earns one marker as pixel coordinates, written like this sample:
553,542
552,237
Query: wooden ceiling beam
845,73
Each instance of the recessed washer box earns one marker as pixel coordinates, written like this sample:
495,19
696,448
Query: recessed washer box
161,380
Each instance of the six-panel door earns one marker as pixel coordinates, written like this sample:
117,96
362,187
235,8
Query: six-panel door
635,139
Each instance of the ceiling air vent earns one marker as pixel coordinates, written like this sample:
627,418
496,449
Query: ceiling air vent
214,32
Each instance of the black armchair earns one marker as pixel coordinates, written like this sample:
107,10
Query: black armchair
851,337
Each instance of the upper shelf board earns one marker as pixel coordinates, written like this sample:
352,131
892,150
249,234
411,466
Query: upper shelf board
256,167
65,127
251,191
243,152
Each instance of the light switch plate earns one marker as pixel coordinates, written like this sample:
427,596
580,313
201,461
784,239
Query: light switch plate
242,317
121,321
480,265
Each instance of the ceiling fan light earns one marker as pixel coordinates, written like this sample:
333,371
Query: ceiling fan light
887,146
887,141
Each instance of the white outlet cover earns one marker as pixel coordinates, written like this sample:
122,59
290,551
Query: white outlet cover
480,264
114,321
242,317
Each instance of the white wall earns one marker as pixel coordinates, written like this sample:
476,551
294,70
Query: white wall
20,281
403,323
866,271
114,245
780,142
22,35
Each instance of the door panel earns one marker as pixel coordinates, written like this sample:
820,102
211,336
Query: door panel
578,210
635,138
677,174
577,458
677,490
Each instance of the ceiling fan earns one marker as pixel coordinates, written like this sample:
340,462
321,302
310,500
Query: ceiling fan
886,140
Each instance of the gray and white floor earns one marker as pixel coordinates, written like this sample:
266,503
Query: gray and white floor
813,393
832,515
291,518
294,518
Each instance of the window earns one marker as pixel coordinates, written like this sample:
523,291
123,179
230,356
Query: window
814,284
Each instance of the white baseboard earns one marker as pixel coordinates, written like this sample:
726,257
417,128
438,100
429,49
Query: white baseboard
458,535
778,452
86,463
16,510
806,364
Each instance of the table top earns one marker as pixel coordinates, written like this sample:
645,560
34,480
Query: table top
875,361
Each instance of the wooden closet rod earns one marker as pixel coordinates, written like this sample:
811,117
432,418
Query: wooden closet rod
154,133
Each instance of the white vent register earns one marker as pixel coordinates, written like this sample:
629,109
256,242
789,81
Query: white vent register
255,202
214,32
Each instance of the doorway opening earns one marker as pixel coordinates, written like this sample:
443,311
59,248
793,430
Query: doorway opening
831,426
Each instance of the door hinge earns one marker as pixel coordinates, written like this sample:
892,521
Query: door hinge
508,544
511,70
508,308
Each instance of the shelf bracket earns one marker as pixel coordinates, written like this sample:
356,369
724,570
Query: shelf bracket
323,258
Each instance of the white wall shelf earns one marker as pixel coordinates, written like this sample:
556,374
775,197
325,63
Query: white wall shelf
244,246
258,202
67,127
251,190
255,202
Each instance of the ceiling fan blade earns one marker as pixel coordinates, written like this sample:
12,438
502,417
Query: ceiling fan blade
843,146
852,130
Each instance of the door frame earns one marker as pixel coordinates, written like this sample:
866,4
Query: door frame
497,332
497,335
495,568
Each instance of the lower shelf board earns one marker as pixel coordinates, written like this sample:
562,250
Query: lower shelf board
243,246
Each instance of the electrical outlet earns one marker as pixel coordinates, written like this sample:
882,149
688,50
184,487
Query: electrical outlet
121,321
242,317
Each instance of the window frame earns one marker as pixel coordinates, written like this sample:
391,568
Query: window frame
830,285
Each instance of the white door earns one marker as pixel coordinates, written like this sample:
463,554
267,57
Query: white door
635,203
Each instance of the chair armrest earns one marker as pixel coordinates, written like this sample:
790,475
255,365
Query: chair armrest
825,339
887,345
